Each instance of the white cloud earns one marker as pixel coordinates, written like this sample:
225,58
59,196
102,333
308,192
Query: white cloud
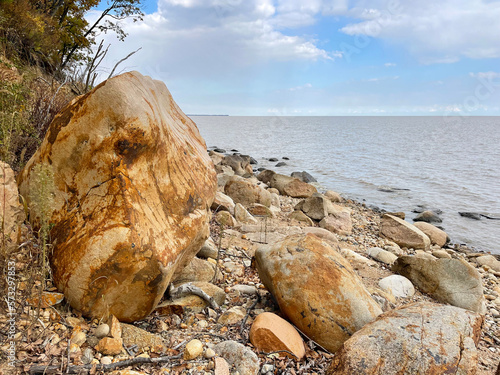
436,32
389,65
297,88
485,75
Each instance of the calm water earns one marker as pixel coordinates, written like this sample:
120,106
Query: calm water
451,164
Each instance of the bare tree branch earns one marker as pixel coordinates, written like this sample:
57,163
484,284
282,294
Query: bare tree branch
122,60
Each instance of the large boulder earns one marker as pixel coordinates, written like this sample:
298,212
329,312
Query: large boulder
421,338
240,164
246,193
134,186
450,281
490,261
316,288
403,233
338,220
11,211
316,206
290,186
436,235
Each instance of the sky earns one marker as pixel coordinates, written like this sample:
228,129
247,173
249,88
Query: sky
318,57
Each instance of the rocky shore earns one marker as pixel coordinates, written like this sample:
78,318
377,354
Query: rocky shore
287,280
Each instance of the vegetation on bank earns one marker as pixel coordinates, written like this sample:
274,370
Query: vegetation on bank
48,55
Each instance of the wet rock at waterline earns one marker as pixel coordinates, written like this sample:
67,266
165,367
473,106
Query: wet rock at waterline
403,233
316,288
134,185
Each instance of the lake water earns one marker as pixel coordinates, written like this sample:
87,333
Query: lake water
446,163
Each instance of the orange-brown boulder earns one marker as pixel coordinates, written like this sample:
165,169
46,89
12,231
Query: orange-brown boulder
134,185
316,288
421,338
270,333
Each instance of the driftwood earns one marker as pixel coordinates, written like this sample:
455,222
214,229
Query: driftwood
34,370
188,288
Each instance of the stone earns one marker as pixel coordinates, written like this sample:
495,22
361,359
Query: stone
221,366
194,349
232,316
339,223
420,338
101,331
47,299
471,215
265,176
106,360
428,217
395,249
11,211
398,286
133,335
197,270
270,333
436,235
78,338
315,206
242,358
301,217
115,329
323,234
303,176
424,255
222,202
209,353
87,356
316,289
333,196
382,255
110,346
246,193
403,233
357,259
450,281
243,216
240,164
189,302
490,261
441,254
261,210
244,289
291,187
226,219
208,250
133,189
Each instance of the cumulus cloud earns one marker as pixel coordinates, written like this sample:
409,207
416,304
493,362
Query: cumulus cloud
436,32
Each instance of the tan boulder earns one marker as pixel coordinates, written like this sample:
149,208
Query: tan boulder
261,210
290,186
243,216
133,335
436,235
270,333
11,211
109,346
301,217
196,270
222,202
403,233
246,193
421,338
333,196
226,219
134,185
339,223
450,281
490,261
316,288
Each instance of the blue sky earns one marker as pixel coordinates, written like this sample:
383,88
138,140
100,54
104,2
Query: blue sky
319,57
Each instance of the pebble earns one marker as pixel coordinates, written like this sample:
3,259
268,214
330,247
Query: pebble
267,368
106,360
101,331
193,349
209,353
244,289
78,338
87,356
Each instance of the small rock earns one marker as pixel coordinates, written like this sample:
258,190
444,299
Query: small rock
87,356
436,235
403,233
115,329
208,250
242,358
221,366
226,219
382,255
304,176
356,258
267,368
106,360
490,261
442,254
301,217
244,289
243,216
398,285
78,338
209,353
470,215
101,331
223,202
133,335
270,333
110,346
333,196
428,217
280,164
232,316
194,349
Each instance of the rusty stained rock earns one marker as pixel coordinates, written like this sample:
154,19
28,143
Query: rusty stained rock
134,185
421,338
316,288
